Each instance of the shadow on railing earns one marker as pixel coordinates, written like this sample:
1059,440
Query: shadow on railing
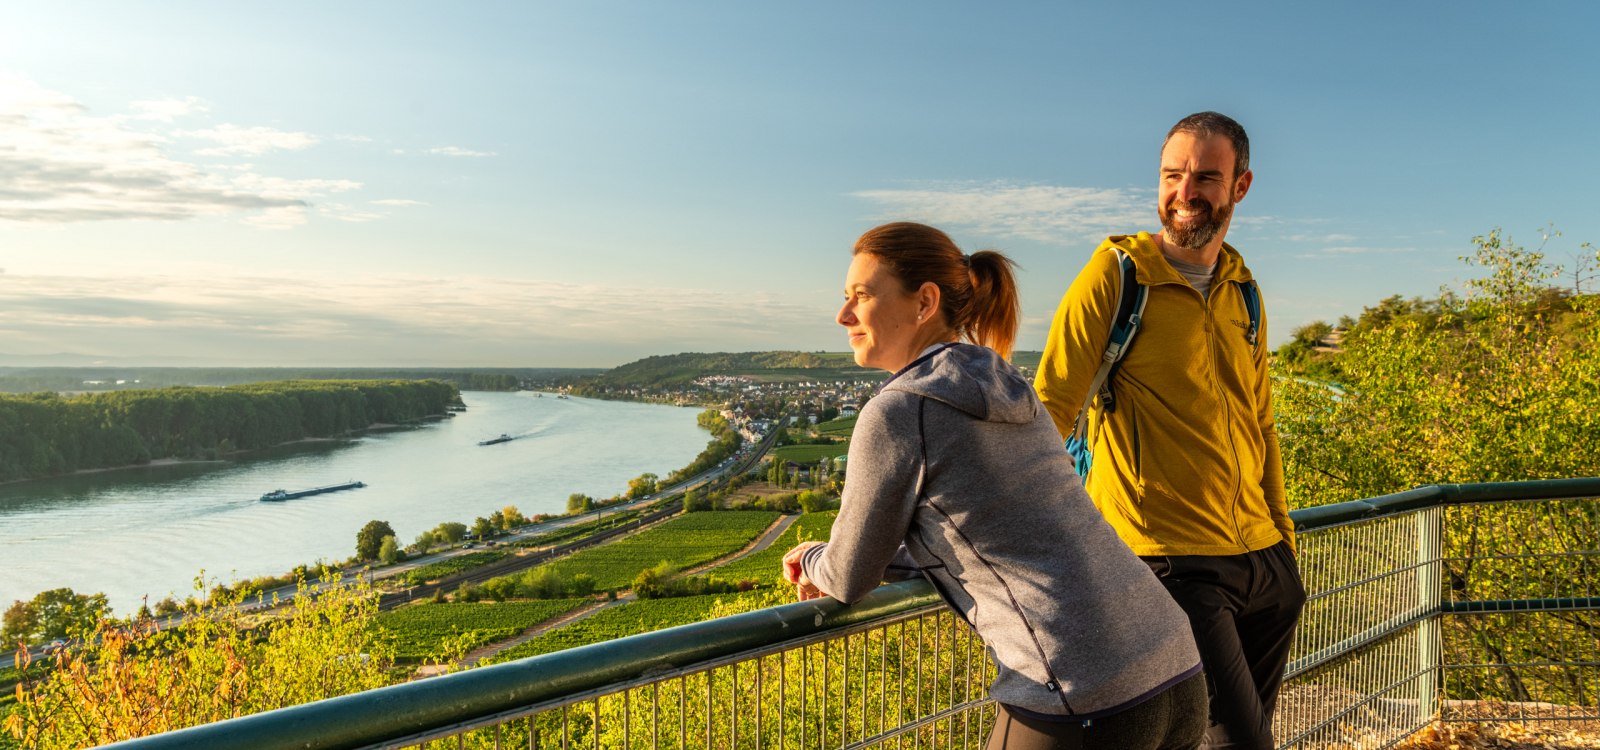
1462,602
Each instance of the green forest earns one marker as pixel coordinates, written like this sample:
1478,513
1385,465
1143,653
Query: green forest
47,434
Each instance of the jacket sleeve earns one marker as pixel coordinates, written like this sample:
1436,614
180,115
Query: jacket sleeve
880,497
1272,486
1077,340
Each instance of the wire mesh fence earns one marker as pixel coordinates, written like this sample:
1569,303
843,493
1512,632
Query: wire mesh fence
911,682
1387,644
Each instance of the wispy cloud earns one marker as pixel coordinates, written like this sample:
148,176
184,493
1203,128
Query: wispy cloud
397,202
234,140
59,163
391,319
456,151
166,110
1048,213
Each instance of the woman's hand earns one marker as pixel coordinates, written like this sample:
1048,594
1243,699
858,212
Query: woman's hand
794,573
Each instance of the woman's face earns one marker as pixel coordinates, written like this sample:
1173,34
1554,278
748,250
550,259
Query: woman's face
880,316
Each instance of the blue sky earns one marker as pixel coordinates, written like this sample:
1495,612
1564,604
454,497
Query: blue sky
583,184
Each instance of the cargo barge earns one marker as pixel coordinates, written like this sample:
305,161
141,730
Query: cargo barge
278,495
504,438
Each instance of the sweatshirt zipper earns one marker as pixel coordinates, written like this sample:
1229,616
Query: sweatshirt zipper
1212,331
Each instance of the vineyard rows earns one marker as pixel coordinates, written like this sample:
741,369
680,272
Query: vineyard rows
636,617
684,541
451,566
433,631
765,566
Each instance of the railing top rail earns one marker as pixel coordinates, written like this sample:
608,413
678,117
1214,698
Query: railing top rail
398,711
1324,516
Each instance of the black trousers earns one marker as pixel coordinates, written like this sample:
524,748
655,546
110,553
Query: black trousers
1174,719
1243,610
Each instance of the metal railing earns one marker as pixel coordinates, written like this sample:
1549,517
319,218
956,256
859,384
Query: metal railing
1461,602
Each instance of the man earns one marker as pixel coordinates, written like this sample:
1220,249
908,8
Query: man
1186,462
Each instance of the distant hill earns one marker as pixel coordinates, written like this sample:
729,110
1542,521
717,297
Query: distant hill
112,377
778,366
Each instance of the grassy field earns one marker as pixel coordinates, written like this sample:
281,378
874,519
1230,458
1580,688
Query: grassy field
809,454
841,427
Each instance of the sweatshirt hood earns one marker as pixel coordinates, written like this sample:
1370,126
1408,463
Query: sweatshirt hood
972,379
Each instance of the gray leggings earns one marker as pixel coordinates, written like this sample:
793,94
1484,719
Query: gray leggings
1174,719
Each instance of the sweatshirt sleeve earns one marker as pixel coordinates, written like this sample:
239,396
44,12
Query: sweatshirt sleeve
1077,341
883,472
1272,485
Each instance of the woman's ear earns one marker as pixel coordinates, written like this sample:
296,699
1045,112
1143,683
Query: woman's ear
927,300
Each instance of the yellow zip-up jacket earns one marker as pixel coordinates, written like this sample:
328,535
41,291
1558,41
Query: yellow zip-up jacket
1187,463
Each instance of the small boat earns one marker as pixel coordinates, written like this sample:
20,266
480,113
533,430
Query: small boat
504,438
281,495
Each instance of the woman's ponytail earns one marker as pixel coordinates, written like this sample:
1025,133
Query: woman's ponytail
994,310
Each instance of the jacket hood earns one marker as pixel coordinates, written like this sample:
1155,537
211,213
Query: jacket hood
972,379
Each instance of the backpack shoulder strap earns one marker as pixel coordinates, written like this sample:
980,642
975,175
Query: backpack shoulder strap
1252,305
1129,314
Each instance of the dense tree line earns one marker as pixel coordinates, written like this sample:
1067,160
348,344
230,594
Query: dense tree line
46,434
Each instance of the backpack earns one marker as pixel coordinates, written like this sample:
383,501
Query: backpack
1131,297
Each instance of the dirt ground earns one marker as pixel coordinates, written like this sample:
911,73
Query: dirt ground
1578,735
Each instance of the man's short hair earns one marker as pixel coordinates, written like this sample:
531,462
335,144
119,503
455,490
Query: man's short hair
1207,124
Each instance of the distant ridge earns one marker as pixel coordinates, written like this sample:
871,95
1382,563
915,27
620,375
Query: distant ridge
771,366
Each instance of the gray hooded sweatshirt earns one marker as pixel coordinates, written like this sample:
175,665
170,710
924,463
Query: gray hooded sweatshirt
957,473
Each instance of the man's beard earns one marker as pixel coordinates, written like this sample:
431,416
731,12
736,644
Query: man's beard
1196,235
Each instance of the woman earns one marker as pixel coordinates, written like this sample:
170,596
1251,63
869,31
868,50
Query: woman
957,473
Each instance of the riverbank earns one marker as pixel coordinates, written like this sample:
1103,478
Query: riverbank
238,454
130,533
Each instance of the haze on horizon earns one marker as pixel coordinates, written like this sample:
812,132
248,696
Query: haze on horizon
515,184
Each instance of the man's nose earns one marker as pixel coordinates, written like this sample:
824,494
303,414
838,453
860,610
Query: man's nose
1188,189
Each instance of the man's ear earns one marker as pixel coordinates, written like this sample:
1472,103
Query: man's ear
1242,185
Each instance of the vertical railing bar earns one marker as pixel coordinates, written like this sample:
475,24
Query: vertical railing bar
761,737
922,634
566,728
595,727
844,693
733,711
822,729
683,712
805,679
655,716
900,665
883,676
783,694
710,674
866,652
627,719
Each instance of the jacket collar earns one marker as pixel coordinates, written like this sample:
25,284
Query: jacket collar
1154,269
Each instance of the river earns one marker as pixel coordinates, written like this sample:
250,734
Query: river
152,530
